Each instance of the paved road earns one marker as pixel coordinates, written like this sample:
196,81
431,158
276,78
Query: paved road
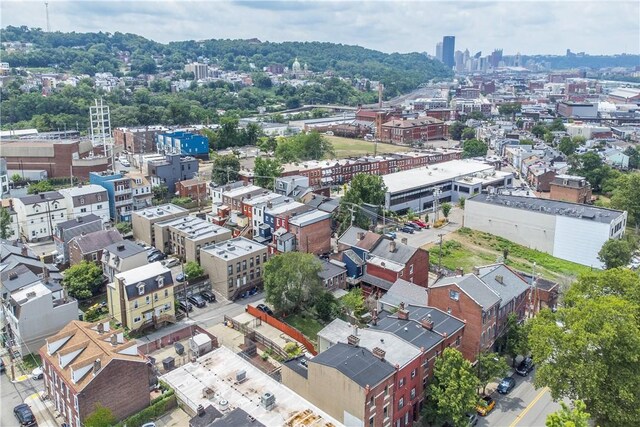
523,407
13,394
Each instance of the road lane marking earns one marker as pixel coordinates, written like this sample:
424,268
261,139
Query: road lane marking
529,406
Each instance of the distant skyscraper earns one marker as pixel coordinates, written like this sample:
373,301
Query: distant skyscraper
439,51
448,49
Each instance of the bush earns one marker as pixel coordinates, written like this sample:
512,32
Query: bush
439,223
181,201
159,407
124,227
292,349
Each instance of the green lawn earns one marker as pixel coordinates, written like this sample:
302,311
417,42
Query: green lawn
308,325
31,361
467,248
347,147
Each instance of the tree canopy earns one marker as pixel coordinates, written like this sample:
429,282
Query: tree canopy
490,367
474,148
225,169
82,280
5,223
304,146
100,417
615,253
569,417
193,270
363,188
291,280
265,171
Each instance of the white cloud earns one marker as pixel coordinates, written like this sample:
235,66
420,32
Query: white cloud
527,27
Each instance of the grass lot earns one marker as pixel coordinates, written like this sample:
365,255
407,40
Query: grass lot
467,248
31,361
346,147
308,325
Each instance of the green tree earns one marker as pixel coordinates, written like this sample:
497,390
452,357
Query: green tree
515,339
468,133
287,151
160,193
620,282
124,227
489,367
100,417
325,306
567,146
452,393
615,253
193,270
228,135
82,280
509,109
591,166
368,188
474,148
291,280
589,351
556,126
634,157
40,187
456,129
265,171
225,169
461,201
626,196
261,80
268,144
538,130
16,178
353,302
5,223
567,417
446,209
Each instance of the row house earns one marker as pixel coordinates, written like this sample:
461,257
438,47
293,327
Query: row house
89,247
87,199
137,140
141,191
87,364
119,192
483,299
67,230
171,170
570,188
142,221
122,256
195,189
39,214
234,266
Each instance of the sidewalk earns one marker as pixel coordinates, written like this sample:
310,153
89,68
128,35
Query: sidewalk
43,410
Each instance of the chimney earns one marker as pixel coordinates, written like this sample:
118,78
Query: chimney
392,246
79,219
96,366
476,271
459,271
45,272
114,340
360,235
24,250
13,275
403,314
500,279
379,353
353,340
427,323
404,241
120,248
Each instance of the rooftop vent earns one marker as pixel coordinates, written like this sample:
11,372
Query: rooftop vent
13,275
120,248
268,401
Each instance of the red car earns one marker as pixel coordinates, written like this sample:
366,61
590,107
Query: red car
420,223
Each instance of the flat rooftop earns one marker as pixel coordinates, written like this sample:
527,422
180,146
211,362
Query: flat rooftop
236,192
310,217
142,273
195,228
217,370
83,190
160,211
551,207
434,174
234,248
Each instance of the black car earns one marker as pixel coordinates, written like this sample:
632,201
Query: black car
158,256
414,226
525,367
2,367
407,229
208,295
265,309
197,300
185,306
506,385
24,415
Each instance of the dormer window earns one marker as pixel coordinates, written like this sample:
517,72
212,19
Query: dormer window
141,289
160,280
82,200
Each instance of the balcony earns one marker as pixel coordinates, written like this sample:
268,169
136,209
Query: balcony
121,192
124,202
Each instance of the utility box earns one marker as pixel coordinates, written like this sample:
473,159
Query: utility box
200,344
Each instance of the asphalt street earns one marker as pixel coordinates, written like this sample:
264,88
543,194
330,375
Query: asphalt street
13,394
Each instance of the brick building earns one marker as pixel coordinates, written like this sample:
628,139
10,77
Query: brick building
58,158
143,221
568,188
312,231
86,364
137,140
413,130
89,247
195,189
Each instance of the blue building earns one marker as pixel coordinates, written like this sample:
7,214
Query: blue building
171,170
119,192
183,143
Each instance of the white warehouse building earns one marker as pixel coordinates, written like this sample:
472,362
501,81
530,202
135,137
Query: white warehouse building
414,189
570,231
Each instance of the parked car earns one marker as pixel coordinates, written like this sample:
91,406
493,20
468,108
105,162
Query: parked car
420,223
181,277
473,419
485,405
208,295
412,225
391,234
124,162
506,385
525,367
406,229
265,309
156,257
37,374
171,262
152,251
24,415
2,367
148,425
185,306
197,300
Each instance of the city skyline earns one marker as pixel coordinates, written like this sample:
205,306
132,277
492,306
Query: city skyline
526,27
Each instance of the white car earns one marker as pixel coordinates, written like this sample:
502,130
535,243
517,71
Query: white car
37,374
171,262
124,162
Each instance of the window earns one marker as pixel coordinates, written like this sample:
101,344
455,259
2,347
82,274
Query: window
458,341
160,281
238,267
264,257
386,390
411,269
94,256
413,373
230,282
244,265
141,289
371,421
166,293
99,207
401,383
148,299
251,262
454,295
155,296
257,271
413,393
385,411
167,306
371,401
401,403
136,319
83,210
135,304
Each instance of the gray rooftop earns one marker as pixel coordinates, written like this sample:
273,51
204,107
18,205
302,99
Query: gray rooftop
475,288
551,207
350,238
195,228
356,363
17,277
234,248
401,254
161,211
79,221
41,197
124,249
97,240
147,275
503,281
330,270
406,292
376,281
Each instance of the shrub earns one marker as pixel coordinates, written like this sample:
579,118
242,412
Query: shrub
292,349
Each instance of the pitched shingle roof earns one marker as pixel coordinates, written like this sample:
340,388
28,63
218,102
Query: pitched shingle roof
475,288
95,241
401,254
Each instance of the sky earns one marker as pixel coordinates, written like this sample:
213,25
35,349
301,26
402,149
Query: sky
531,27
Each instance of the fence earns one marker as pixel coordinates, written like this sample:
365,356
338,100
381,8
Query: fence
259,338
172,337
281,326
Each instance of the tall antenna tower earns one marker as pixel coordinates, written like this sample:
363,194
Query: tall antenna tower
46,6
101,129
